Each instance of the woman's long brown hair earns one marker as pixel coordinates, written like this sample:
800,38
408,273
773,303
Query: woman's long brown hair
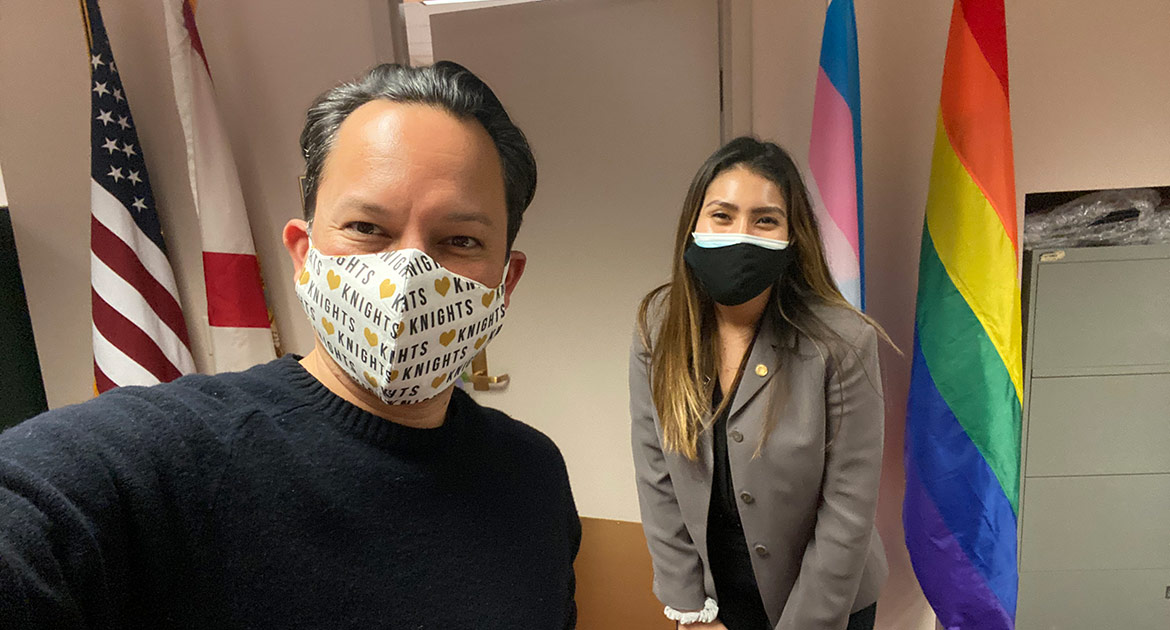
684,357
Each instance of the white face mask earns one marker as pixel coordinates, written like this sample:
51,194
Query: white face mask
713,240
398,323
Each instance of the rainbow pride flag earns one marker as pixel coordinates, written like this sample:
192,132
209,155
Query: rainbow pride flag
963,417
834,154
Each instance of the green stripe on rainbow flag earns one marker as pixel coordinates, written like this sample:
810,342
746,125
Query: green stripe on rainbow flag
968,371
977,253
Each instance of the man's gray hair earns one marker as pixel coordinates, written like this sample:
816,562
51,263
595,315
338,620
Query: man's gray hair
446,85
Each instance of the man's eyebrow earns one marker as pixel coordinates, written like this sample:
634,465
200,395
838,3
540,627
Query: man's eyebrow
469,217
375,209
363,205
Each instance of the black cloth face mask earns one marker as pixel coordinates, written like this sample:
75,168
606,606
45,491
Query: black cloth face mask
734,274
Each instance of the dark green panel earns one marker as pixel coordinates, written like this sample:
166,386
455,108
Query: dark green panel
23,391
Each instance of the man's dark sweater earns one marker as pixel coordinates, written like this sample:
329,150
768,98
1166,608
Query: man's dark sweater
262,500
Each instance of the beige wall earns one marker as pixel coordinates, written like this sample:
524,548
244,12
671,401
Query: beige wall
1090,102
613,170
1090,98
269,58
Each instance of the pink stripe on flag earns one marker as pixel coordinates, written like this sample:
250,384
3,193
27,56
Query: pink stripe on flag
831,158
842,258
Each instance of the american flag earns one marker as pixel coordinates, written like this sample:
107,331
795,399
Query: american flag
139,334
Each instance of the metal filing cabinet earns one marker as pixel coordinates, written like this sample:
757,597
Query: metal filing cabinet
1094,522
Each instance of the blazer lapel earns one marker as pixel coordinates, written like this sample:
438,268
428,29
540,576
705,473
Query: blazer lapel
761,366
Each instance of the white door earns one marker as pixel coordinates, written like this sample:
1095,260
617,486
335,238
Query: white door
620,101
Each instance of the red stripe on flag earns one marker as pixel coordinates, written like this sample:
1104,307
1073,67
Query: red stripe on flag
193,31
131,340
123,261
101,382
234,296
986,21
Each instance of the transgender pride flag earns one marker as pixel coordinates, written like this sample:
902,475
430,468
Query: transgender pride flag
834,154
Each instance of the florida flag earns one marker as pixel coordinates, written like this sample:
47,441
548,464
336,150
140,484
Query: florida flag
237,315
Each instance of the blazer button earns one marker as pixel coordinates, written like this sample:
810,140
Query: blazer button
761,551
747,497
736,436
761,370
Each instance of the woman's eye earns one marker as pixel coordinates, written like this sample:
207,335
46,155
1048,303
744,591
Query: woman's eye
363,227
770,221
722,216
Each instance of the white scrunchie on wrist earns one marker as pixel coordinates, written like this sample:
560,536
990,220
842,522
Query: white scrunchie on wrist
707,615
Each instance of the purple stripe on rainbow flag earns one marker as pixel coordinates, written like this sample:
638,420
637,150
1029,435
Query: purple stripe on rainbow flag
956,609
959,478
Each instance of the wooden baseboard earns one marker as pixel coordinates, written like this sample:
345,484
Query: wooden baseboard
614,579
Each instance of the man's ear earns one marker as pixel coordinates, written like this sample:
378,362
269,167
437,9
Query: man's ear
296,241
516,263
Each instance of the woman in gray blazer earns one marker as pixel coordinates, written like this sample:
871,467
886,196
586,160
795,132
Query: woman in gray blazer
757,413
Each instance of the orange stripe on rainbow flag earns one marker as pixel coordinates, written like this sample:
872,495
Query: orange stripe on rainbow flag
979,102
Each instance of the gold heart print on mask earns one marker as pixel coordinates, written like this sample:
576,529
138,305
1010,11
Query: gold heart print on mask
479,342
387,289
487,298
393,375
447,337
334,279
304,279
370,379
398,329
442,285
371,338
438,381
328,326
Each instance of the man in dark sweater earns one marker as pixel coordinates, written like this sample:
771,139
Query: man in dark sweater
355,487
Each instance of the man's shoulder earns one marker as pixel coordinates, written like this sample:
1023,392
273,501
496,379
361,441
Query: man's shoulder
217,402
508,434
224,395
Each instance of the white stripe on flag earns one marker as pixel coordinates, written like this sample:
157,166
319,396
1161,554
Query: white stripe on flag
215,184
250,346
843,266
850,289
125,299
118,367
112,214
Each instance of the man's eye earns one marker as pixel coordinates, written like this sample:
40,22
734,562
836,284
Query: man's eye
363,227
463,242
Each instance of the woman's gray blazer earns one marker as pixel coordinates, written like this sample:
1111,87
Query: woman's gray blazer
807,502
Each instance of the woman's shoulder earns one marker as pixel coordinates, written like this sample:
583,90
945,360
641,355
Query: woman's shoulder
651,311
845,321
654,302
